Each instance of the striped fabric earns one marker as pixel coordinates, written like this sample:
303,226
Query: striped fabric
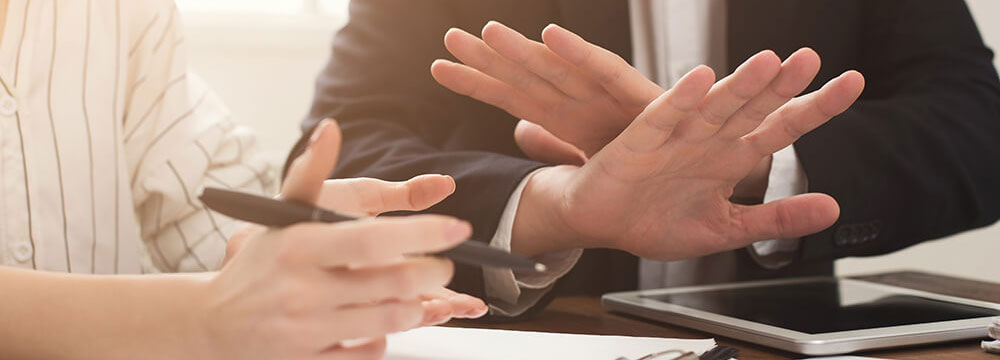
107,139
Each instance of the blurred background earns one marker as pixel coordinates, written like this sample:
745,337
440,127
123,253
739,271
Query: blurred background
263,55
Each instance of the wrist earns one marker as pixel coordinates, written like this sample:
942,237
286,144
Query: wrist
185,315
540,224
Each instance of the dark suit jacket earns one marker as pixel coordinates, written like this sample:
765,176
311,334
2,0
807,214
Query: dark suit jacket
915,159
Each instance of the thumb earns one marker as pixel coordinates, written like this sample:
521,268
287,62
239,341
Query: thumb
541,145
308,172
792,217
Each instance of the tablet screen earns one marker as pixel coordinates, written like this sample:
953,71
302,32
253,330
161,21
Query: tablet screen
824,306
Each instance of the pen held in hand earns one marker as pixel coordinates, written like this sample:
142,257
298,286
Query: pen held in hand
279,213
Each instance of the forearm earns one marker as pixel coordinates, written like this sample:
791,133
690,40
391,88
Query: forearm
52,315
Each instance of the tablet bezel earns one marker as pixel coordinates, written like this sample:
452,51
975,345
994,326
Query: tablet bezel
831,343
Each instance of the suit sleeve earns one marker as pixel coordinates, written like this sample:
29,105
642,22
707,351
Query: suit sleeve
916,158
398,123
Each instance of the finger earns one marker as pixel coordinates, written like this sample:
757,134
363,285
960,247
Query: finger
436,312
612,72
467,306
475,53
372,321
731,93
656,123
806,113
541,145
365,350
370,197
470,82
374,240
422,192
792,217
538,59
405,280
307,173
441,293
463,306
797,72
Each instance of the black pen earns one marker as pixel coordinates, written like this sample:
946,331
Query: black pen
279,213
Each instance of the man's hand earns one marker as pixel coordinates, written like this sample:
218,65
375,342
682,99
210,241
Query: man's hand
533,82
584,109
661,188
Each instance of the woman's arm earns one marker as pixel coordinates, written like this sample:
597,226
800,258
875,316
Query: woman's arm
303,292
55,315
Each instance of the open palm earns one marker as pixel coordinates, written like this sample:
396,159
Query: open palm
660,185
532,82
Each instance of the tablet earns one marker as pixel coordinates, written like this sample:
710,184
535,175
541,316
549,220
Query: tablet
814,316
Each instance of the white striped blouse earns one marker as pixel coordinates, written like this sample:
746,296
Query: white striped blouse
107,139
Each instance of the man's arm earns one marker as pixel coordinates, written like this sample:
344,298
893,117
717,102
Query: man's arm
398,123
641,154
661,189
953,69
916,158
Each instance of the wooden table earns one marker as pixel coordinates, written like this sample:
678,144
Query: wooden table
584,315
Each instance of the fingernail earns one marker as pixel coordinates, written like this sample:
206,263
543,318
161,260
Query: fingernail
440,61
351,343
458,231
318,132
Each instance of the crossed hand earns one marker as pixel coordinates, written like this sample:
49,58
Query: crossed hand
646,170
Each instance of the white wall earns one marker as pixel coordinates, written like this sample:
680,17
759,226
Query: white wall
264,67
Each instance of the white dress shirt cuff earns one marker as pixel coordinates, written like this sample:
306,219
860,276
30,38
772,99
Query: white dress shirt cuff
510,293
787,179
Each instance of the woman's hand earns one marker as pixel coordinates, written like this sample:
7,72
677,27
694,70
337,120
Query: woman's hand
367,197
372,197
326,290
